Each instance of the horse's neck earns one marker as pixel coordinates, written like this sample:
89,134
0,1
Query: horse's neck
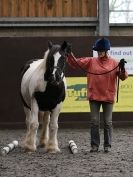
43,64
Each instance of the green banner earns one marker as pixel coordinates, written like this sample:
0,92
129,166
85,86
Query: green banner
76,96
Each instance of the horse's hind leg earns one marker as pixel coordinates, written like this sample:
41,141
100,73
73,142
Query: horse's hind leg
53,129
44,137
32,126
27,113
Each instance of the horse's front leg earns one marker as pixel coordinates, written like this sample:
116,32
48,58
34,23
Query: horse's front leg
30,141
53,129
45,129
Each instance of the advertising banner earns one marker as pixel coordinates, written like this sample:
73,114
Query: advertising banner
122,52
76,96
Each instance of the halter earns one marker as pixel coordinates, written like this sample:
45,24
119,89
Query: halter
59,70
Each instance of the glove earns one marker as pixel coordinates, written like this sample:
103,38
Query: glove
122,64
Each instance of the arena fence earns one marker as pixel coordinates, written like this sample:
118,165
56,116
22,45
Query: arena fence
16,51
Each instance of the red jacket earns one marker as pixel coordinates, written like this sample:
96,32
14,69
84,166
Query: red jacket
99,87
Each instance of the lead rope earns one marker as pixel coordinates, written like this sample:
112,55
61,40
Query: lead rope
74,59
118,83
118,80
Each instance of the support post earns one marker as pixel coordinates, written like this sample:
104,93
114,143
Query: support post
103,16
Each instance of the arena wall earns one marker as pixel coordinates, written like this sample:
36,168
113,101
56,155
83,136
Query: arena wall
15,51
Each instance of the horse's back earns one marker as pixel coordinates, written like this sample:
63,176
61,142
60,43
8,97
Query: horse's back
30,67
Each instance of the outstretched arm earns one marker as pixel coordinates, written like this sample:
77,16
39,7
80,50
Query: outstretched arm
76,63
71,61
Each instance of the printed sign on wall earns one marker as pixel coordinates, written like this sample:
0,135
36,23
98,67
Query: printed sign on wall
122,52
76,96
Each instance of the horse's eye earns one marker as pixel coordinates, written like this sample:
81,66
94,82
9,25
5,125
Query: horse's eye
51,63
61,52
61,62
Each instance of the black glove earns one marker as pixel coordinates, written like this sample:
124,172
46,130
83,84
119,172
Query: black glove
122,64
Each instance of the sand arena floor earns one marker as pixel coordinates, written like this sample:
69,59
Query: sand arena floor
117,163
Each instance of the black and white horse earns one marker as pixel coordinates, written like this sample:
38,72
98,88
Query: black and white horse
43,88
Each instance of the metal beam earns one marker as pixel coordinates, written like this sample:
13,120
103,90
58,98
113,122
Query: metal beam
48,21
103,13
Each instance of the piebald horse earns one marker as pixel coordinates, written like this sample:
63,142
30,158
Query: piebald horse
43,87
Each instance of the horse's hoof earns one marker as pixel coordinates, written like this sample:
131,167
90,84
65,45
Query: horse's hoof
53,151
29,149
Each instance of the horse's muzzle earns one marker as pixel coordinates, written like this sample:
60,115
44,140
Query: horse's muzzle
54,82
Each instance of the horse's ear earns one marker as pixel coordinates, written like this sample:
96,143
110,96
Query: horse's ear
64,46
50,44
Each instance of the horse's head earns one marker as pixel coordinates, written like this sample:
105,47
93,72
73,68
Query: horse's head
55,63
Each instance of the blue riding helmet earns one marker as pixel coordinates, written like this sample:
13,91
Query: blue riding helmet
102,44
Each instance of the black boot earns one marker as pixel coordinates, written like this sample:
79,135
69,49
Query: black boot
94,149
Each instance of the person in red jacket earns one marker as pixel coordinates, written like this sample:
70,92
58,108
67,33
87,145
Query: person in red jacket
102,73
